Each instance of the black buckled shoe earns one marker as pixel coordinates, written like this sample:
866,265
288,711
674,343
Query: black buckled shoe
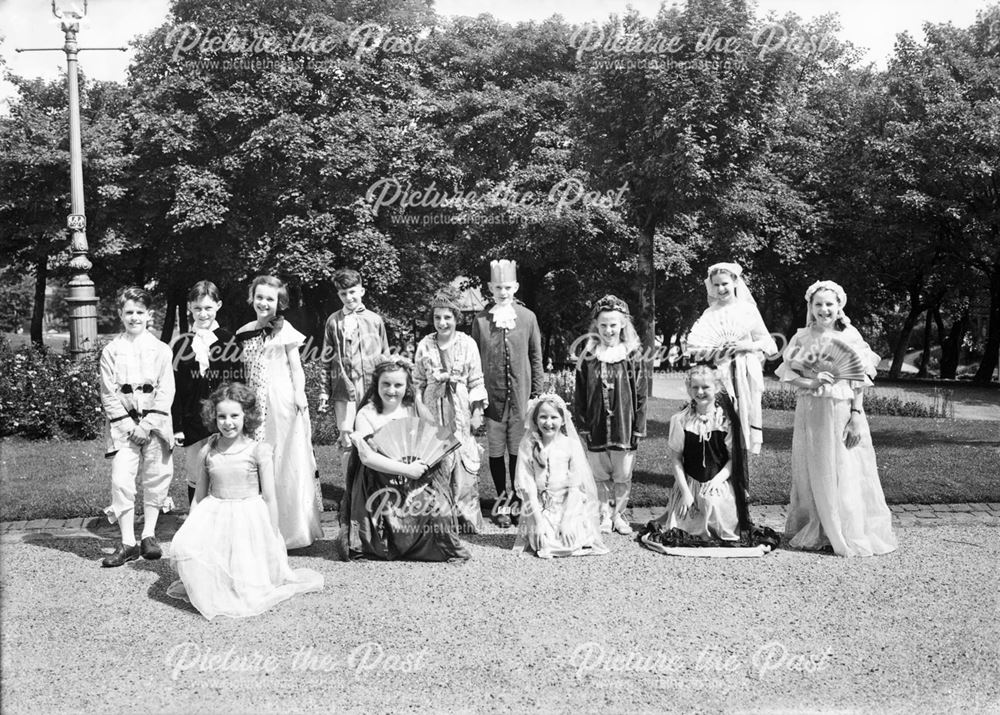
151,548
501,517
121,555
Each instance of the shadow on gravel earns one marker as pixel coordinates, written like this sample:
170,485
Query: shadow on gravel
165,576
89,548
320,549
496,541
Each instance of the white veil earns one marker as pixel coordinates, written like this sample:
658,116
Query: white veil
743,294
525,484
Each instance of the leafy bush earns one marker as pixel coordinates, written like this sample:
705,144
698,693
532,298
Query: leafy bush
324,426
937,405
778,399
562,382
44,394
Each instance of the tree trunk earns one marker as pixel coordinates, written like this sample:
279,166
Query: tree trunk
904,340
991,357
646,270
170,319
38,308
669,331
182,314
951,345
925,356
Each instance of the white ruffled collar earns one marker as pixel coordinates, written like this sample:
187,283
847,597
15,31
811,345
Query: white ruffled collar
704,425
504,316
616,353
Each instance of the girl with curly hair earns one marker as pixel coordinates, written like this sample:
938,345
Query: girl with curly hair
229,554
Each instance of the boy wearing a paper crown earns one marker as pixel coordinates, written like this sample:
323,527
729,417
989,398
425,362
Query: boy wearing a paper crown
510,346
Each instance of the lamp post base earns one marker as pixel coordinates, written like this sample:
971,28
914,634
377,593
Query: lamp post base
82,302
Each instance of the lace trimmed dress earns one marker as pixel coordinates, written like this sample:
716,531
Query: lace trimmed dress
229,559
836,497
287,431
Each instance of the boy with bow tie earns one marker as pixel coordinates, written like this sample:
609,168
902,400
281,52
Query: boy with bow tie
354,339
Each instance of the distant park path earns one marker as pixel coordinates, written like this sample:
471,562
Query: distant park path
971,403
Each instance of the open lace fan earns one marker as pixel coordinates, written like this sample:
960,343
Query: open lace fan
412,438
711,332
836,357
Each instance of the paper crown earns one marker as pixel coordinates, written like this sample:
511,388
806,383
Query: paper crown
503,271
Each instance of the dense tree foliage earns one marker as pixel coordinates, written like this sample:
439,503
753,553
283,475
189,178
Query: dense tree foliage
622,156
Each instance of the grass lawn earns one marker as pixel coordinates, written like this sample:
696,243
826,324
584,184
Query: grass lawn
920,461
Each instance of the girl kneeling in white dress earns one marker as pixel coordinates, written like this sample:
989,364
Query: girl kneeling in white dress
560,514
707,514
229,554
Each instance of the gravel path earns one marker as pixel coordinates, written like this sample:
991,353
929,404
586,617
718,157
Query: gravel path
915,631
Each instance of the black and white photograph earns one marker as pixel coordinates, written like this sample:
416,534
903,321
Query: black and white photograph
449,356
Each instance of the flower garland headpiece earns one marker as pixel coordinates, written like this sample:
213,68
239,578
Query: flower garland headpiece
393,362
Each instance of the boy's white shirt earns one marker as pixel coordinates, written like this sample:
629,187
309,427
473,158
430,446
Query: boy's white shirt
121,364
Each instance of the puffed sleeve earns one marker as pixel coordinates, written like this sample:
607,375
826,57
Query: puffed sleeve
290,336
784,371
363,425
675,437
868,356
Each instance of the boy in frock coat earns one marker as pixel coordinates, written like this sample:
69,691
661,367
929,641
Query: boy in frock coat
510,346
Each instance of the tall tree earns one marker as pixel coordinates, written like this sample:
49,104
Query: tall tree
678,128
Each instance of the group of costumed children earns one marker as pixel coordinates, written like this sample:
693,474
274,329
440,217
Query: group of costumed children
236,403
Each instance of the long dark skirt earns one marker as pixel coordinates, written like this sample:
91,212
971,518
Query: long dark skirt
388,517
